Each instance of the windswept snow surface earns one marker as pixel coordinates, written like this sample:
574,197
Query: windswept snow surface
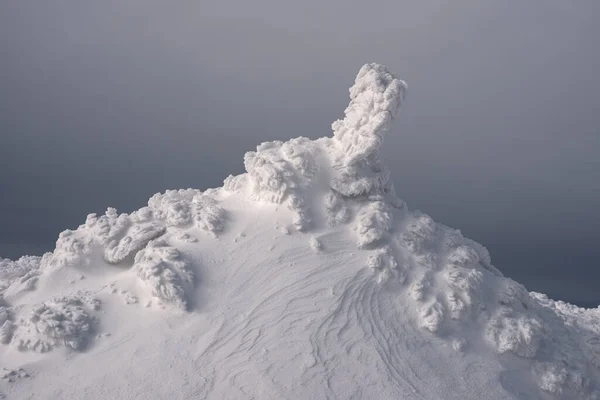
303,278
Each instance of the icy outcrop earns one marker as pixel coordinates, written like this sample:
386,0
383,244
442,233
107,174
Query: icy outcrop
6,324
280,173
20,274
62,321
166,274
375,99
180,208
335,170
516,333
6,331
120,236
278,169
315,244
373,222
374,102
137,238
336,208
386,266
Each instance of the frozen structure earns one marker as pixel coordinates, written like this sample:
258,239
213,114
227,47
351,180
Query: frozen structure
305,277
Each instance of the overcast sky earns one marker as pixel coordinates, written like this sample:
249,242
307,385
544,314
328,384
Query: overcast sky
105,103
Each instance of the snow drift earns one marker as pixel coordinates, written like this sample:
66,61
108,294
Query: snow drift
305,277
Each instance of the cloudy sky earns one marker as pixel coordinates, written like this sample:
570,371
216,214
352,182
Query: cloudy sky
105,103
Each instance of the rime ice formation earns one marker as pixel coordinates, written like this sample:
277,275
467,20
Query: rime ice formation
62,320
305,277
164,272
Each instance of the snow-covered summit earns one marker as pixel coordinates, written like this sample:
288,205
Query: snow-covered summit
305,277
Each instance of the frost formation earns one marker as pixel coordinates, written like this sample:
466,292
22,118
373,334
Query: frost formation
62,321
447,283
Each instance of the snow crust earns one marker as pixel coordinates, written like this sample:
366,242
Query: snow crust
305,277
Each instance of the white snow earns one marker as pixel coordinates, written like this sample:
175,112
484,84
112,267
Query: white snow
63,320
305,277
165,273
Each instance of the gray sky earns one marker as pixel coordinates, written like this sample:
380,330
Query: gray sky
105,103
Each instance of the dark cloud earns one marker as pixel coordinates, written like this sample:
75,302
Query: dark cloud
105,104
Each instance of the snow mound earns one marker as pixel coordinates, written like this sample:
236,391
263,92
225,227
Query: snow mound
19,275
304,277
118,237
162,269
64,320
279,173
185,207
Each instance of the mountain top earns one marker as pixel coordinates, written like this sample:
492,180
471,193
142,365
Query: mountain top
305,277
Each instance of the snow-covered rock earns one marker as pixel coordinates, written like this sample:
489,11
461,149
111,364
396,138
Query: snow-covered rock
162,269
304,277
61,321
